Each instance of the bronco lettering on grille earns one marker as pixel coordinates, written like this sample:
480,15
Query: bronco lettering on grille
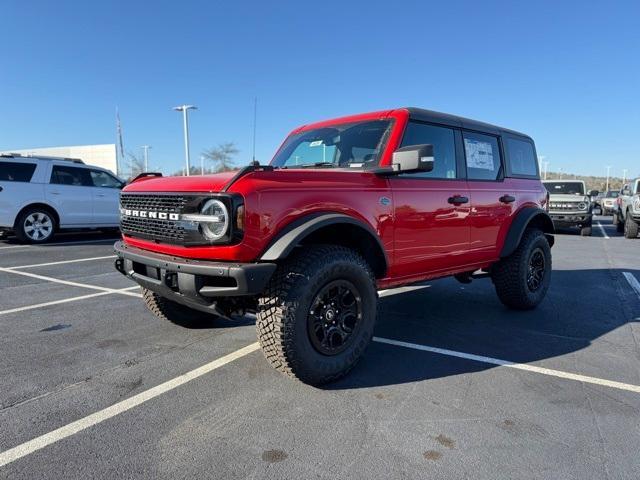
149,214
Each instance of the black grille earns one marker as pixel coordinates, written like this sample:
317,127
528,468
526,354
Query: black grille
157,203
155,229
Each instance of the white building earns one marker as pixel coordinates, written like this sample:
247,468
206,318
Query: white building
100,155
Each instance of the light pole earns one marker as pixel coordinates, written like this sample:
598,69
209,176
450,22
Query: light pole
146,156
624,175
546,169
184,109
201,164
608,170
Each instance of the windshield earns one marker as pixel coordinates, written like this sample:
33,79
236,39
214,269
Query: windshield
351,145
570,188
611,194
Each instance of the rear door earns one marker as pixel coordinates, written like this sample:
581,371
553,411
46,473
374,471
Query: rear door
16,189
106,196
431,209
70,191
492,196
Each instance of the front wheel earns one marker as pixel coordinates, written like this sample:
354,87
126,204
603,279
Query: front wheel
174,312
522,279
630,227
317,314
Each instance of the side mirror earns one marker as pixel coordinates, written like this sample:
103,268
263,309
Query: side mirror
414,158
594,193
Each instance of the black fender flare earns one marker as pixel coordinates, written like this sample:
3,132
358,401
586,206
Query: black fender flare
294,233
523,219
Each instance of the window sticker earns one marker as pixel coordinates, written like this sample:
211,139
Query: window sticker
479,154
316,143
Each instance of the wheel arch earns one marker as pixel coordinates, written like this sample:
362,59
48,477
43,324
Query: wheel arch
45,206
526,218
332,228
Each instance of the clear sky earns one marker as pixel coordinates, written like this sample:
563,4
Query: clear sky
566,73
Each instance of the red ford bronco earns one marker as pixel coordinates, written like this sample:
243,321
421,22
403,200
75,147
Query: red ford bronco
346,207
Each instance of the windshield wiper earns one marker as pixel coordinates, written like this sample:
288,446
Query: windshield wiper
317,164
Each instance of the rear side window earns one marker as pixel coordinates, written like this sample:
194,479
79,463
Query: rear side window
79,177
521,159
16,172
482,155
444,148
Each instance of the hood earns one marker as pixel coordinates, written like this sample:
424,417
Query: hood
194,183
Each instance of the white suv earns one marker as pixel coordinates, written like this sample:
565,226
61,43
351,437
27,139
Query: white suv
39,195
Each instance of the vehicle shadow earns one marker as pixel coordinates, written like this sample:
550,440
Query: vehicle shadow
76,238
470,319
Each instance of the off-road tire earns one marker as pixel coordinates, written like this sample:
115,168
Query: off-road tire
20,232
174,312
284,307
630,227
509,275
617,221
585,232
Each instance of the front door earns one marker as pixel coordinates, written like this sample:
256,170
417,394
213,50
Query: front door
431,209
106,197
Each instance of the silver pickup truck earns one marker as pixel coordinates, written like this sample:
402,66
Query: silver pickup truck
570,205
627,216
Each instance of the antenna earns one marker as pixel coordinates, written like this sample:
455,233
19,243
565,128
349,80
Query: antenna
255,116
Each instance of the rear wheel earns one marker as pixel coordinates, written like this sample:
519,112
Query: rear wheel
630,227
35,225
175,312
317,314
522,279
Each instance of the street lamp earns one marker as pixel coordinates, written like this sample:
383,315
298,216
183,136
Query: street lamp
201,164
608,170
184,109
146,156
624,175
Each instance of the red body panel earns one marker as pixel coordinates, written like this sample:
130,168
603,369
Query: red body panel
424,235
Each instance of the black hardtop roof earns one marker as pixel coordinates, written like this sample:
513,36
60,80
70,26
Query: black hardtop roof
423,115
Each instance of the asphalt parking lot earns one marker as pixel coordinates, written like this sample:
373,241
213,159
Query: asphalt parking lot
94,386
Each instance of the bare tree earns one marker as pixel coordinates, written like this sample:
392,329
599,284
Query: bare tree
134,164
222,156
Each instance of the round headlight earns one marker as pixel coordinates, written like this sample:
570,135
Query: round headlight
582,206
216,226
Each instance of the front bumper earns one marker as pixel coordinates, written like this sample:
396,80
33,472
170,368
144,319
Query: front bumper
568,219
194,283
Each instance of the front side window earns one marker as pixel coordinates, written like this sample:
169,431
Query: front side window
565,188
63,175
16,171
521,159
482,156
349,145
444,148
104,180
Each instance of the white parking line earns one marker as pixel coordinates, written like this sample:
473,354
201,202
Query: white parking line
602,230
60,263
632,281
519,366
67,282
65,300
61,433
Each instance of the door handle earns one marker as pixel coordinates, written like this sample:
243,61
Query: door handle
54,193
100,195
458,200
507,199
